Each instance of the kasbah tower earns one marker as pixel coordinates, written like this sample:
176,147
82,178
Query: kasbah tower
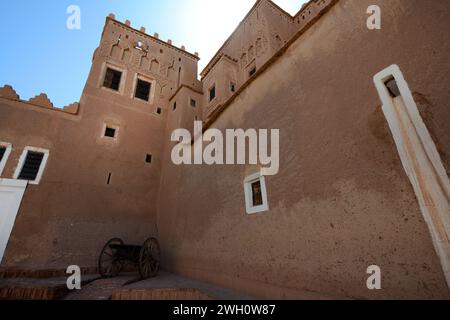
364,155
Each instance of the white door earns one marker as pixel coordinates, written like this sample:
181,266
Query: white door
11,193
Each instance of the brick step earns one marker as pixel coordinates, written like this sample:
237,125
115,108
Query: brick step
37,289
11,273
168,286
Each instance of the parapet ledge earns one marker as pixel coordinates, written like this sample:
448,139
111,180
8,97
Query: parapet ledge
142,30
42,101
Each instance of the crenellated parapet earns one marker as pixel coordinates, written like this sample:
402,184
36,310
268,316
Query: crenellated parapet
41,101
138,52
8,92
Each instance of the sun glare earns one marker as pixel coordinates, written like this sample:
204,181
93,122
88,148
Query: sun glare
208,23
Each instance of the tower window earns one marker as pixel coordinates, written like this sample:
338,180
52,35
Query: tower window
193,103
148,158
232,87
255,194
31,165
212,93
174,106
112,79
158,110
143,90
252,72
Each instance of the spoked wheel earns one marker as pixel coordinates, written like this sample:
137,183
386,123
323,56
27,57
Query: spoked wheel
109,265
149,259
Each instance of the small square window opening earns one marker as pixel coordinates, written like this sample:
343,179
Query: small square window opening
143,90
112,79
110,132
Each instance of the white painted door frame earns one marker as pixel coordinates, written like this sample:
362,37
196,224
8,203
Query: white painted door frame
11,194
420,159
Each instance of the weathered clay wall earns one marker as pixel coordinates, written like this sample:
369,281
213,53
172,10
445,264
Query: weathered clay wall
341,201
70,215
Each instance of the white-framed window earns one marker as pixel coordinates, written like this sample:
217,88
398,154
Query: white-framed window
5,151
255,194
32,164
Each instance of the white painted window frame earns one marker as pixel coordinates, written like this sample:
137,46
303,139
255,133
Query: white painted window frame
250,208
22,158
5,156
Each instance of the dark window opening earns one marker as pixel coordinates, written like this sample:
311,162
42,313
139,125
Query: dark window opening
392,87
257,194
112,79
2,152
233,87
108,182
212,93
143,90
149,158
158,110
174,106
110,132
193,103
252,72
31,166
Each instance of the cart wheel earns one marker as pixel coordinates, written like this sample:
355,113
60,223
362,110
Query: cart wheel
149,259
109,265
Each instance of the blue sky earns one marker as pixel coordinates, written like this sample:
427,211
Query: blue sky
40,54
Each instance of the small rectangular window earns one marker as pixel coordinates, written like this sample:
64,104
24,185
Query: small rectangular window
392,87
212,93
158,110
112,79
110,132
174,106
143,90
5,151
149,158
232,87
31,166
252,72
2,152
193,103
255,194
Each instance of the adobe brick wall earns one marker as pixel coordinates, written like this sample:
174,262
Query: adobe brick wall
342,200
